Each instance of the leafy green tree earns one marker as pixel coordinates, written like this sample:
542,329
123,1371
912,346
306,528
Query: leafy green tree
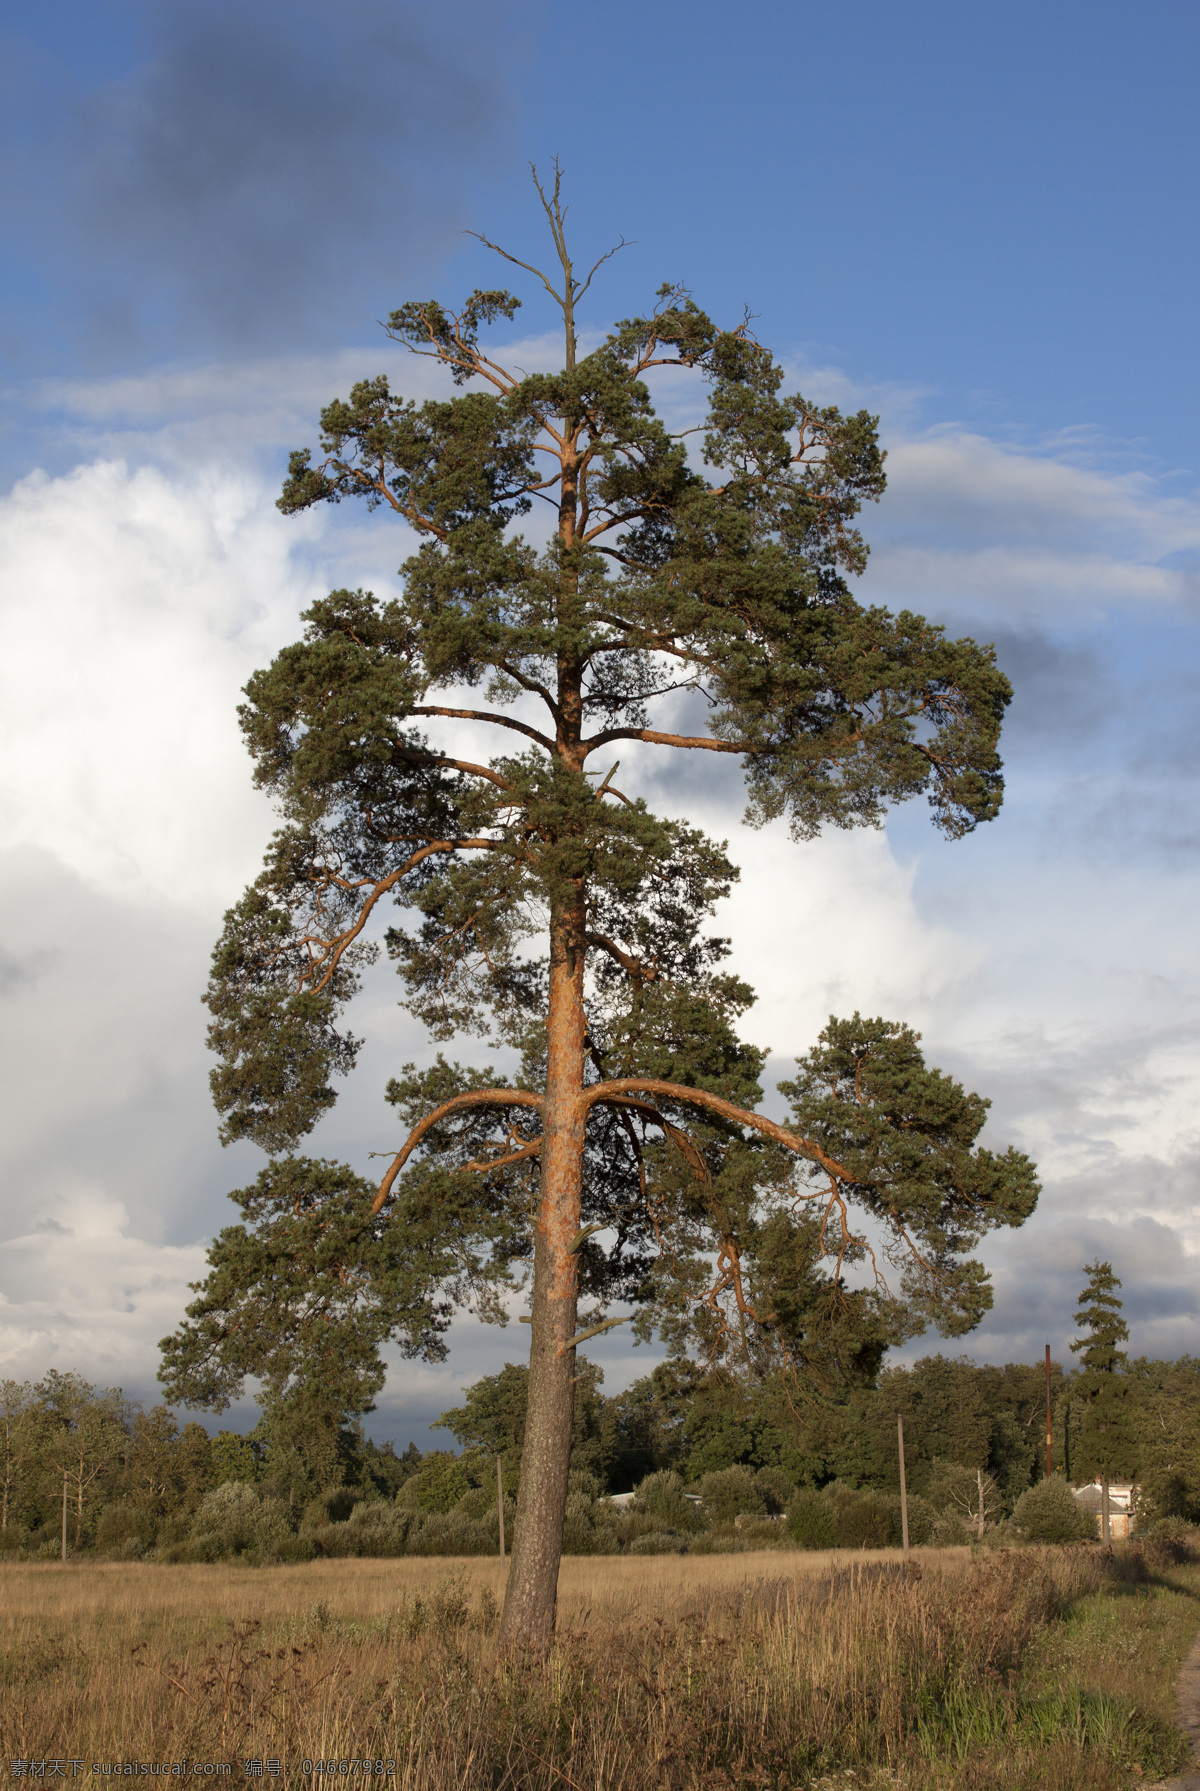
166,1469
495,1415
381,1472
649,1423
1105,1442
18,1444
493,1418
235,1457
1166,1397
944,1403
443,1479
85,1443
545,907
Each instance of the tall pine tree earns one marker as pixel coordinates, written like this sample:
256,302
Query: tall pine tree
1105,1443
543,904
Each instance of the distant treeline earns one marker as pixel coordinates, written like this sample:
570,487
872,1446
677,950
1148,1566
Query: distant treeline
716,1461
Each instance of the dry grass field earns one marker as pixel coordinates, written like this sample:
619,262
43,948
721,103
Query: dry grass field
752,1670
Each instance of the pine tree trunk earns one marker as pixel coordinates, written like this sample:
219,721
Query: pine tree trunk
1105,1524
532,1594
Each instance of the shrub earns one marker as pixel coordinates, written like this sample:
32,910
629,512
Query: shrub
661,1498
922,1520
590,1528
733,1492
272,1537
812,1519
125,1530
867,1520
444,1479
1048,1512
658,1542
333,1506
224,1523
479,1503
775,1488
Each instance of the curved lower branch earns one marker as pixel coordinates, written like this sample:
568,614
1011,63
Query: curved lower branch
700,1097
476,1097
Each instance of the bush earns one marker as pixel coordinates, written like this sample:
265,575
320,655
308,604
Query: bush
867,1520
444,1479
1048,1512
126,1531
272,1537
775,1488
812,1519
590,1527
951,1531
333,1506
233,1520
733,1492
660,1497
658,1542
224,1523
922,1520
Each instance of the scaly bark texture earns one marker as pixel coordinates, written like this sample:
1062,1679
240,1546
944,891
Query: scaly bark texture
532,1589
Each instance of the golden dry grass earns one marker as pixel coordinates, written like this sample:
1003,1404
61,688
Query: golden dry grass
86,1597
721,1671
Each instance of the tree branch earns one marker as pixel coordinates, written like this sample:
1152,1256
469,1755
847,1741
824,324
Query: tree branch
703,742
499,721
345,940
431,758
700,1097
478,1097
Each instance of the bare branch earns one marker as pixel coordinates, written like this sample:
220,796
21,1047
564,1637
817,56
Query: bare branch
700,742
499,721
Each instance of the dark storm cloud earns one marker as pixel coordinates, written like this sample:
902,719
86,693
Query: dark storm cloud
268,173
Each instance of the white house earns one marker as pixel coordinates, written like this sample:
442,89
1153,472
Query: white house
1120,1506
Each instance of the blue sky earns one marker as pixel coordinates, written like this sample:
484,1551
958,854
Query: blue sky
978,221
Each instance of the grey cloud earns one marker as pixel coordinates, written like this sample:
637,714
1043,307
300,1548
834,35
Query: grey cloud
270,173
20,971
1036,1305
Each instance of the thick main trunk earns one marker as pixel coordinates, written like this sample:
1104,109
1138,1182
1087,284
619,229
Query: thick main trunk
531,1598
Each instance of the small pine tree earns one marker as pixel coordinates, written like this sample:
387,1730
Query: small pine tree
1106,1444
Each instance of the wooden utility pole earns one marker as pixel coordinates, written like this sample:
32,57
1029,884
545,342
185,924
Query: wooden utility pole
903,1487
500,1501
64,1528
1049,1456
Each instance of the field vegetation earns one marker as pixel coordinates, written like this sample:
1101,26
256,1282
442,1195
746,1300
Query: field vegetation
718,1463
979,1668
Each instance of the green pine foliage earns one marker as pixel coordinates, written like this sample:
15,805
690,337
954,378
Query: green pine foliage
1105,1440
